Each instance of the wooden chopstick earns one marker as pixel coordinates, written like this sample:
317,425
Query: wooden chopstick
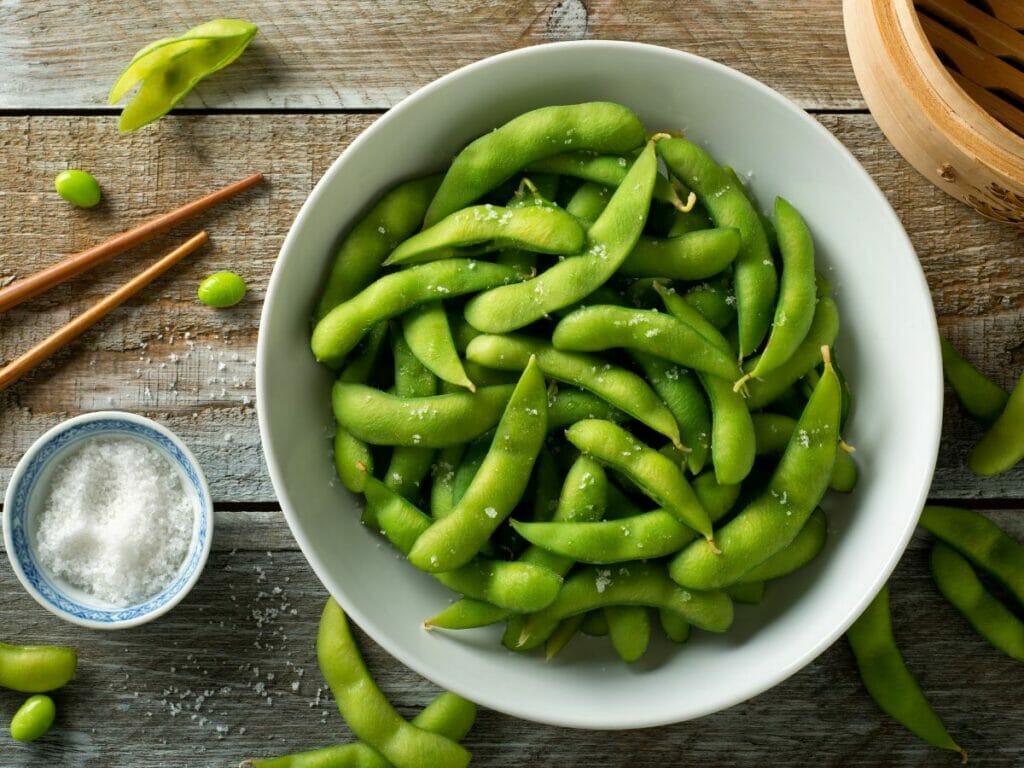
56,274
44,349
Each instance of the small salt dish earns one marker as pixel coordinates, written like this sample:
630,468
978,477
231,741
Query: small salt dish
27,494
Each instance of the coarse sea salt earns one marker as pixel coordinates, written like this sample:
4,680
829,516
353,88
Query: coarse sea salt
117,520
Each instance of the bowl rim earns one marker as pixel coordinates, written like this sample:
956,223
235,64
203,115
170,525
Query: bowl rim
204,535
438,675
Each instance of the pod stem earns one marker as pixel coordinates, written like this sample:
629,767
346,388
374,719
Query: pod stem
740,385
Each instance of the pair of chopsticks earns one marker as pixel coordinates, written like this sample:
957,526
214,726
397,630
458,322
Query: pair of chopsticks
47,278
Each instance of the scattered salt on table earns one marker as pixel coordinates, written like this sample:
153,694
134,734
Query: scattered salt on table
117,521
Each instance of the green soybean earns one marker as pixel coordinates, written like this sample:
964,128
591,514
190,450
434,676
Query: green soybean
36,668
365,708
806,546
497,155
429,336
683,396
499,484
609,241
754,270
358,258
629,630
714,302
960,585
568,405
33,718
675,626
603,170
772,432
732,431
980,397
692,256
772,520
78,187
221,290
1002,447
409,465
340,330
887,678
442,489
588,202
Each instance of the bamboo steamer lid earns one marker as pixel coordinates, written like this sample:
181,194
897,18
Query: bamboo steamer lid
945,82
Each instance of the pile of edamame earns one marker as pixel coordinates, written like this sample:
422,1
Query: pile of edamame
580,376
35,669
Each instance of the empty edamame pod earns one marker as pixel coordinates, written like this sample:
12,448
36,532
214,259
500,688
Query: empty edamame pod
769,523
887,679
638,584
429,336
499,484
754,270
534,228
804,548
683,396
609,241
426,422
393,218
36,668
448,715
656,475
794,310
604,326
497,155
33,718
618,386
629,630
981,541
606,171
340,330
960,585
365,709
1002,447
981,398
772,432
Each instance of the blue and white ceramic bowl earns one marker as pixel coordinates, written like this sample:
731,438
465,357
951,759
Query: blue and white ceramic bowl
26,494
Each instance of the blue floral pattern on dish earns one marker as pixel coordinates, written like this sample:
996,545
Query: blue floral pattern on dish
39,579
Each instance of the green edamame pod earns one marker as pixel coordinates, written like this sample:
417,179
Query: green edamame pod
425,422
823,332
981,541
1002,447
393,218
499,154
690,221
687,314
732,431
795,309
676,628
341,329
595,623
683,396
588,202
769,523
472,458
467,613
565,632
749,592
887,679
519,587
981,398
409,465
535,228
656,475
644,584
604,326
569,405
610,240
804,548
499,484
442,490
429,336
754,270
772,432
629,630
691,256
353,460
714,302
365,709
618,386
604,170
960,585
36,668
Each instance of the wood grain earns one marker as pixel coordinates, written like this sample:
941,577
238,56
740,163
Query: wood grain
165,355
232,673
354,54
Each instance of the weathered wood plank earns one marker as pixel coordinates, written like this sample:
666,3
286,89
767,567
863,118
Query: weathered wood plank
358,55
165,355
232,673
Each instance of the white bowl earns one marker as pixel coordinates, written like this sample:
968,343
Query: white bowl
26,495
888,346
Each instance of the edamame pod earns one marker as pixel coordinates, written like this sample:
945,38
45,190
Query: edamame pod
980,397
732,431
610,240
534,228
497,155
683,396
804,548
618,386
887,678
1002,447
442,490
425,422
638,584
365,708
754,270
772,432
499,484
656,475
691,256
629,630
604,326
568,405
389,296
686,313
588,202
748,592
676,628
36,668
714,302
393,218
409,465
604,170
429,336
769,523
353,460
565,632
960,585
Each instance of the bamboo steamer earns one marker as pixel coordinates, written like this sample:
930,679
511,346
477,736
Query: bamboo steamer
944,79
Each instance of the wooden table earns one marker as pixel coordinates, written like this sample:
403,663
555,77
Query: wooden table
231,672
